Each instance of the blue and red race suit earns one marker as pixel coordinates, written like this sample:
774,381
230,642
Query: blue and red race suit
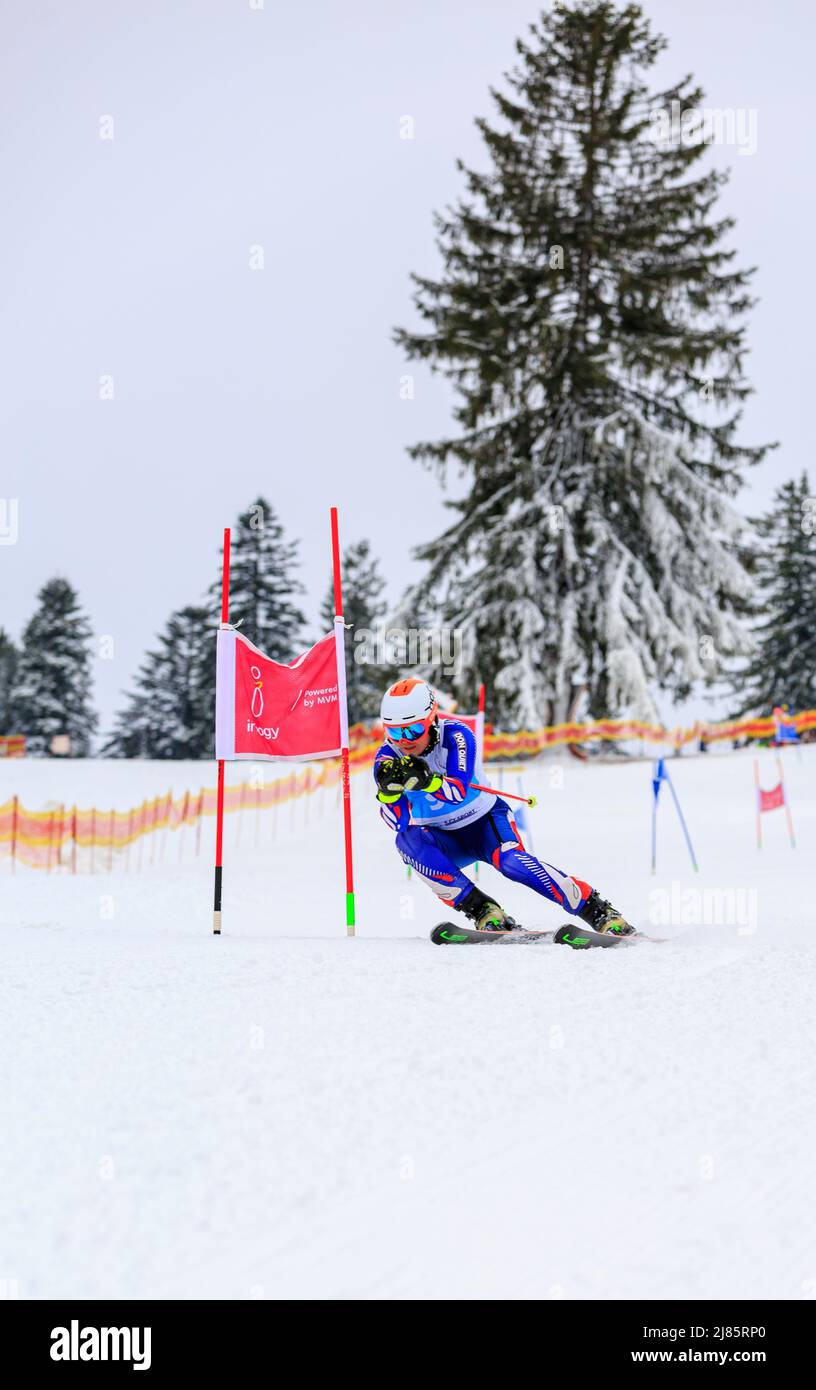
439,833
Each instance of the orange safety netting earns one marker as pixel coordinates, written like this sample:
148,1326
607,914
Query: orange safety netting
69,837
535,741
54,838
528,742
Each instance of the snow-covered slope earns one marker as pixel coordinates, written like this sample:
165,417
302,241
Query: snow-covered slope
285,1112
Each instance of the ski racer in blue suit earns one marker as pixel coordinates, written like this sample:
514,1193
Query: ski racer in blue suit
424,773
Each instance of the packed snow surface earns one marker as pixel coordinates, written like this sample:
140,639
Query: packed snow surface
284,1112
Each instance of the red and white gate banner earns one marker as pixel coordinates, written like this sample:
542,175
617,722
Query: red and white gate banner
773,798
272,710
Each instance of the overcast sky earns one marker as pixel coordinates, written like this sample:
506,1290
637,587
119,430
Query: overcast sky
237,127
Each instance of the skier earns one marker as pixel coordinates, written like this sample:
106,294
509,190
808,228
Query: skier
423,773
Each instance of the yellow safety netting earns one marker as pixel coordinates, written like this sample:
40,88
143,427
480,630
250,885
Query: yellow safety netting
54,838
69,837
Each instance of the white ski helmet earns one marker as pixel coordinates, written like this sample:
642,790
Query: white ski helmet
408,710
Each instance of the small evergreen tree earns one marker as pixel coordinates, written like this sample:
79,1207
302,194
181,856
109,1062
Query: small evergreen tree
8,667
592,324
783,668
52,685
364,607
263,583
171,712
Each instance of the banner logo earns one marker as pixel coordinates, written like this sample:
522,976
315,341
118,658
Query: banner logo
257,696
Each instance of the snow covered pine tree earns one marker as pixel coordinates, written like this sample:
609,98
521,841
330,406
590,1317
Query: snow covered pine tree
8,667
783,563
51,693
364,607
171,712
263,583
591,322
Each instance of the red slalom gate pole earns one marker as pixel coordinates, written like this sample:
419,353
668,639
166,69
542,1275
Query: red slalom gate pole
219,804
480,722
339,637
787,807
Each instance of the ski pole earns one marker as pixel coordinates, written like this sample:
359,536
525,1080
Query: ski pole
477,787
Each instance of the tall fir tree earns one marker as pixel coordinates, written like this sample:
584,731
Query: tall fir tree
783,667
264,587
171,711
592,324
51,693
8,666
363,608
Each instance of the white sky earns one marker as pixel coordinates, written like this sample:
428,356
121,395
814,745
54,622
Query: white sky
280,127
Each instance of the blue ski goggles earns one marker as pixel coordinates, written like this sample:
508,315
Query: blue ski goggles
408,732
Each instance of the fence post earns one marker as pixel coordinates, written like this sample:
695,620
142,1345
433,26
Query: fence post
166,827
307,792
183,822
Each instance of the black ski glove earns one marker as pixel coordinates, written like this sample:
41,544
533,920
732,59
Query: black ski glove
410,774
386,775
416,775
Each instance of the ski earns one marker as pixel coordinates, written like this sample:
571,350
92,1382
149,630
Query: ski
451,934
579,939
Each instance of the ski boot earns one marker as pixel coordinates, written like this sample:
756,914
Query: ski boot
602,917
485,914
